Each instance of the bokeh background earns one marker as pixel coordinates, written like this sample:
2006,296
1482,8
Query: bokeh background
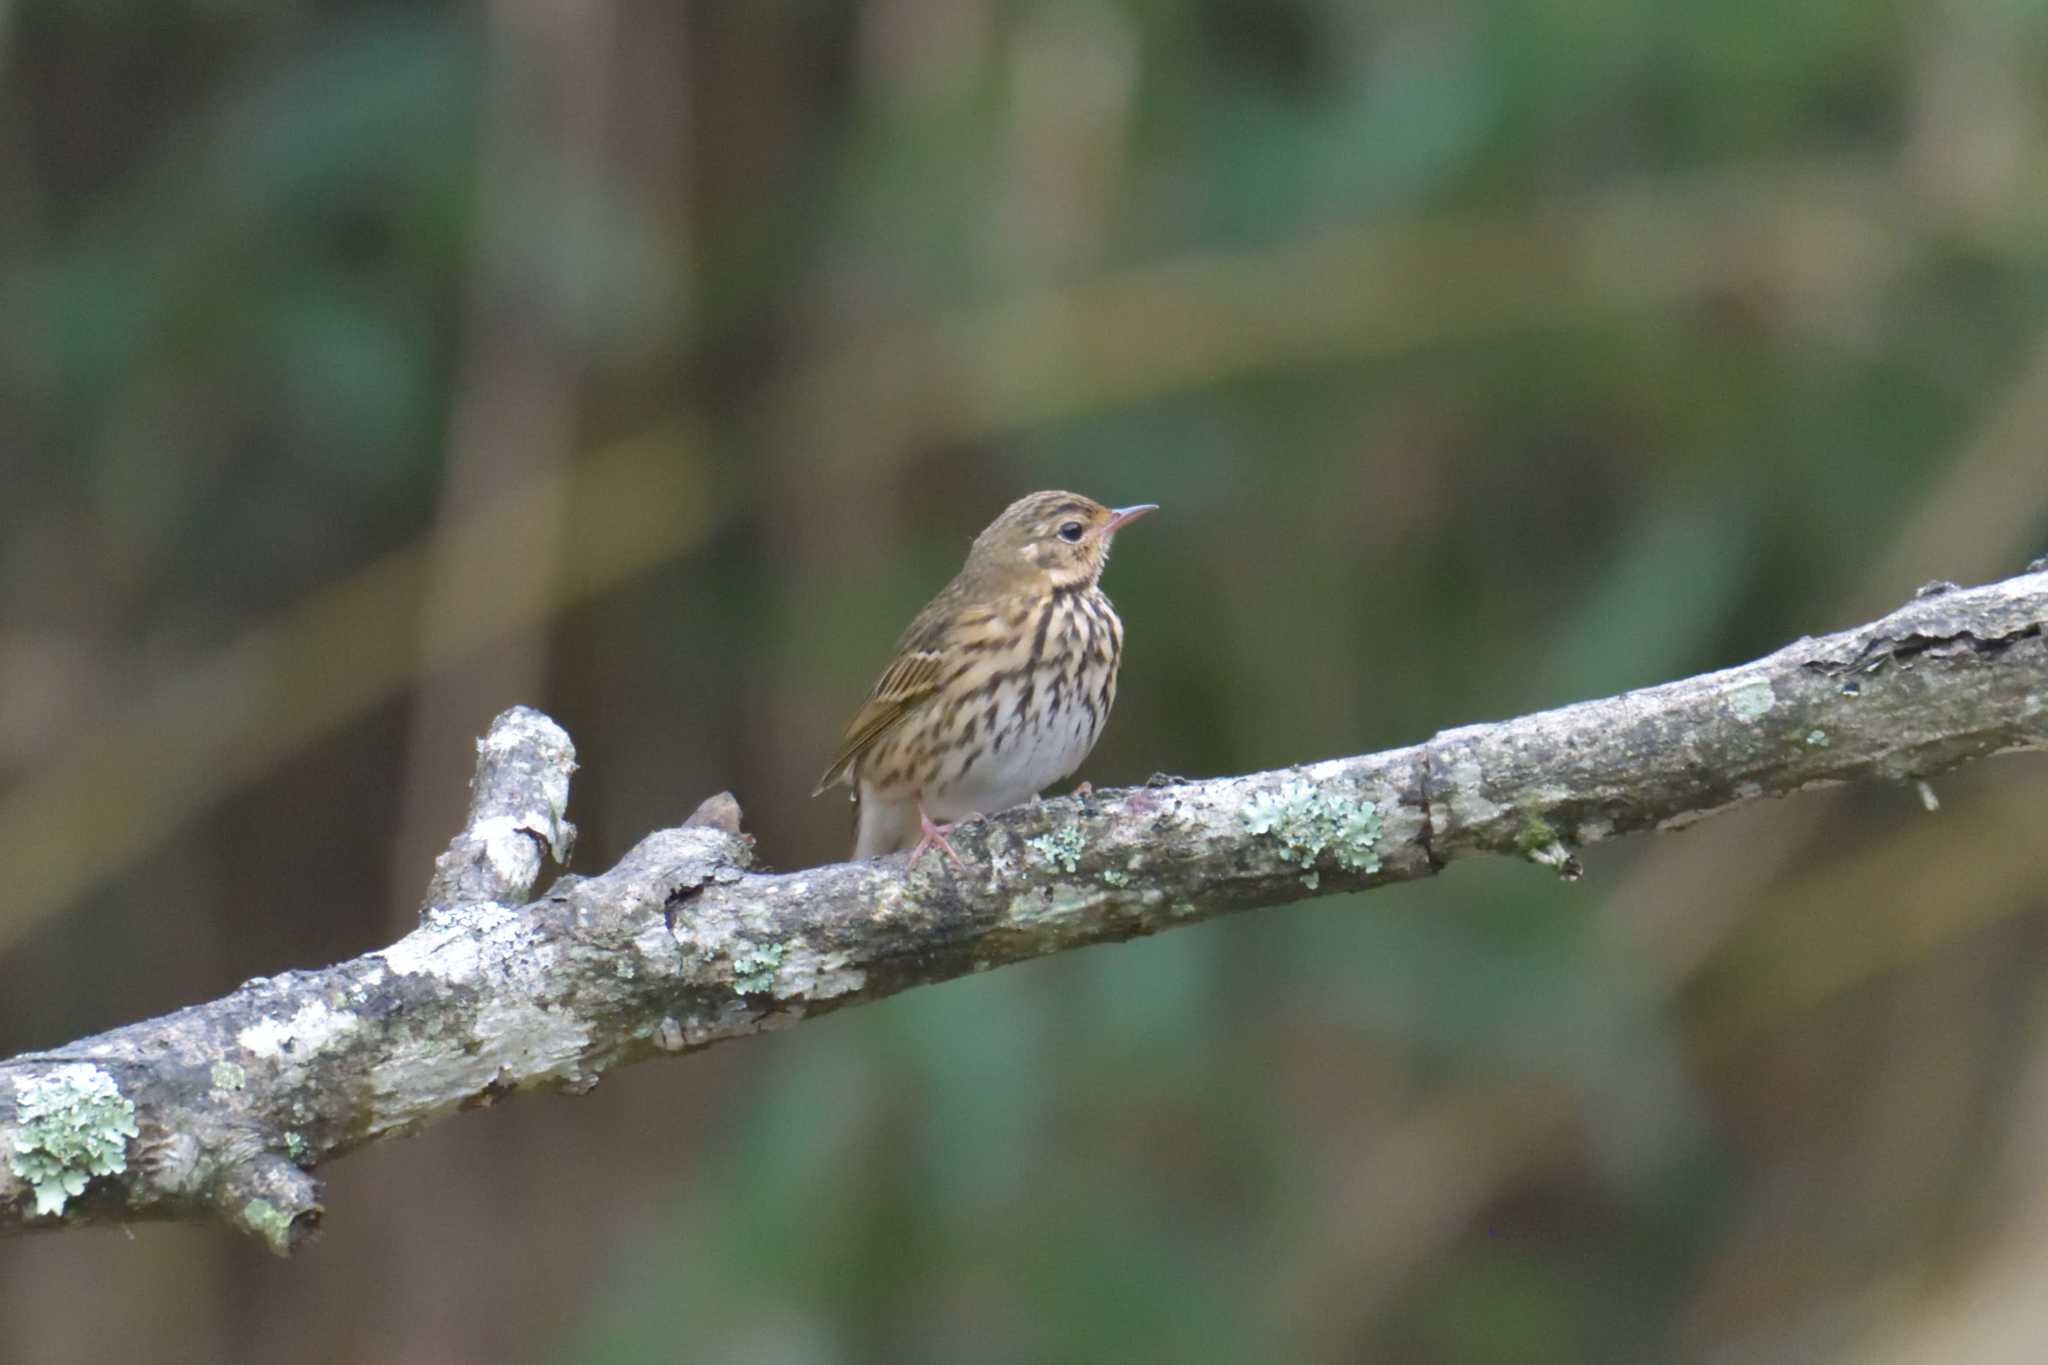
366,368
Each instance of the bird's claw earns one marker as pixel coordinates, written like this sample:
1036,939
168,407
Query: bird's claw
932,833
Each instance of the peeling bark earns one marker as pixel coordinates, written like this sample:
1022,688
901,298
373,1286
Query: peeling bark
224,1109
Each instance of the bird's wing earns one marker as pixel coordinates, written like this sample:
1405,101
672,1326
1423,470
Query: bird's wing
909,679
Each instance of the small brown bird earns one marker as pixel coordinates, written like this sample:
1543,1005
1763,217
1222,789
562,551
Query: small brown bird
1000,686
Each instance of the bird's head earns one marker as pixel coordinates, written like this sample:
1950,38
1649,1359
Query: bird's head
1058,540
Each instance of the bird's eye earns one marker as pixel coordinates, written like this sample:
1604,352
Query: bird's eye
1071,533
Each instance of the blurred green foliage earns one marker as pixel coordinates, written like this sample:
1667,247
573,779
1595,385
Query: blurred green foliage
1484,356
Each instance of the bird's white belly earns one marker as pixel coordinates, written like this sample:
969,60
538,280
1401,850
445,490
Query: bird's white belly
1031,758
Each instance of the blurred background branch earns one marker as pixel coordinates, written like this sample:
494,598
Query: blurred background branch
220,722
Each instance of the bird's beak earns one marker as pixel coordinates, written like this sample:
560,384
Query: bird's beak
1120,517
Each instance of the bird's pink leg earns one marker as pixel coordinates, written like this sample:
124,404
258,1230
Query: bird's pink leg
935,833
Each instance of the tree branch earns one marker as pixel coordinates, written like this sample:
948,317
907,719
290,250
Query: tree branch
224,1109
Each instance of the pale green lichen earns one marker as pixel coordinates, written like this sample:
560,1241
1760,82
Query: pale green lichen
268,1221
74,1124
1817,738
1062,847
1538,841
229,1076
1309,823
295,1145
754,972
1311,879
1115,877
1535,836
1752,701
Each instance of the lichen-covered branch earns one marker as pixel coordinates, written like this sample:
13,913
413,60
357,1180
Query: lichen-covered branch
224,1109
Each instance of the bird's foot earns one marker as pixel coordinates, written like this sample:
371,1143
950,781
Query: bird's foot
932,832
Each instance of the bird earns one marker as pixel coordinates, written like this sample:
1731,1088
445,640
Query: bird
998,688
